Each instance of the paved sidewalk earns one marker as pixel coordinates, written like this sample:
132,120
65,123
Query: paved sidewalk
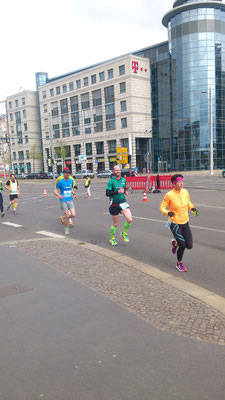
165,301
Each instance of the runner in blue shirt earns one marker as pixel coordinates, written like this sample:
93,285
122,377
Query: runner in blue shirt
66,195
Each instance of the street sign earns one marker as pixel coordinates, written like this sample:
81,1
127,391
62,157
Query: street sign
122,155
82,158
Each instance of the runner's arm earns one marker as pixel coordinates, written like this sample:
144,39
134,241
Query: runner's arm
110,192
165,205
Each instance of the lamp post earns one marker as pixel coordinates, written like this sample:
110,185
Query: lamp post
210,130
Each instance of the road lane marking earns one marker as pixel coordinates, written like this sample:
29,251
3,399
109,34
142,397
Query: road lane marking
206,205
164,222
12,224
50,234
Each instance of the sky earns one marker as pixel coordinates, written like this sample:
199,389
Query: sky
61,36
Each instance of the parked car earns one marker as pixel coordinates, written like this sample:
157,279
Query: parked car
105,174
42,175
223,173
50,175
128,172
32,175
20,176
81,174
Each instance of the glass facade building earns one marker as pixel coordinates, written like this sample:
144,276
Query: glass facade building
196,33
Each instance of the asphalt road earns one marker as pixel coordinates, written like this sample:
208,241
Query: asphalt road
149,238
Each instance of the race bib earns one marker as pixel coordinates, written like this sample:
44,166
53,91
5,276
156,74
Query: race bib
123,206
67,193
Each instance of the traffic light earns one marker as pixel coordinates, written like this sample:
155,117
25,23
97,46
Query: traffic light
49,162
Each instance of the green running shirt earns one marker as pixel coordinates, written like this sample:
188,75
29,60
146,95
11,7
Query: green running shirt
114,185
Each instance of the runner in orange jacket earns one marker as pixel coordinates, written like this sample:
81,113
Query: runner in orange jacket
175,205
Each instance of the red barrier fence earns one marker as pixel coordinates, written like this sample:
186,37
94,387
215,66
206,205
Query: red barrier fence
146,183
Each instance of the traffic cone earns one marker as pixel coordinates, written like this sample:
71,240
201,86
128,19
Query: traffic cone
145,196
45,192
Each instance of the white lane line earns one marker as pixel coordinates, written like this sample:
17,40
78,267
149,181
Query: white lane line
12,224
51,234
203,190
206,205
164,222
51,207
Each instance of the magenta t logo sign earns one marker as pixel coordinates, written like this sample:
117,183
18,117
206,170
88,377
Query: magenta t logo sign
135,66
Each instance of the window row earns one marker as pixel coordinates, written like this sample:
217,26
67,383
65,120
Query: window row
86,82
17,104
18,115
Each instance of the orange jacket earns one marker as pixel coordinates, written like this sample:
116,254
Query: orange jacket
179,203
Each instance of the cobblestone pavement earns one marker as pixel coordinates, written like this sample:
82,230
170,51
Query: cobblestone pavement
154,301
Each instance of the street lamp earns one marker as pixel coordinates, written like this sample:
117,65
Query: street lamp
211,129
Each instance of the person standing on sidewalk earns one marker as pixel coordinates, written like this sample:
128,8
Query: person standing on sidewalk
66,195
175,205
12,185
117,189
87,185
1,201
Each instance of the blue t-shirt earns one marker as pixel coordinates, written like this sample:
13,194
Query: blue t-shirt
65,187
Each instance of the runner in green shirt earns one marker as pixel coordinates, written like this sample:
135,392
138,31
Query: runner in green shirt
117,190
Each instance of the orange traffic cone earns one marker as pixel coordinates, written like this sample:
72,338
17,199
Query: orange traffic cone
45,192
145,196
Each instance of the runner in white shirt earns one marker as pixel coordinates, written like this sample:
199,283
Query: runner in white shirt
12,186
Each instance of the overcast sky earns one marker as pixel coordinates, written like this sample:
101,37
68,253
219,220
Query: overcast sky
58,36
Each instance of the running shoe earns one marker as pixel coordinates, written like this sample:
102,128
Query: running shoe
8,208
62,219
174,248
125,237
3,213
113,242
180,266
71,224
67,231
14,212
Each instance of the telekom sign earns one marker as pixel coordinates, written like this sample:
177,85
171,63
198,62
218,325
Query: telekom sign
135,67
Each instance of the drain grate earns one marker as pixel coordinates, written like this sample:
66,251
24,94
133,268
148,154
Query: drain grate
16,288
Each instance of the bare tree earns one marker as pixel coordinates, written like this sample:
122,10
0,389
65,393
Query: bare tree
35,154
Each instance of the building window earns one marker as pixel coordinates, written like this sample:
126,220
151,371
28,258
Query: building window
27,154
88,149
26,139
78,84
74,104
16,103
11,117
75,130
44,94
25,126
65,125
55,127
64,106
122,87
123,106
71,86
122,69
109,94
10,104
54,109
123,122
85,103
14,155
101,76
85,81
110,73
111,125
64,88
46,122
96,98
58,90
24,114
45,109
99,147
51,92
20,155
112,146
77,148
23,101
93,79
